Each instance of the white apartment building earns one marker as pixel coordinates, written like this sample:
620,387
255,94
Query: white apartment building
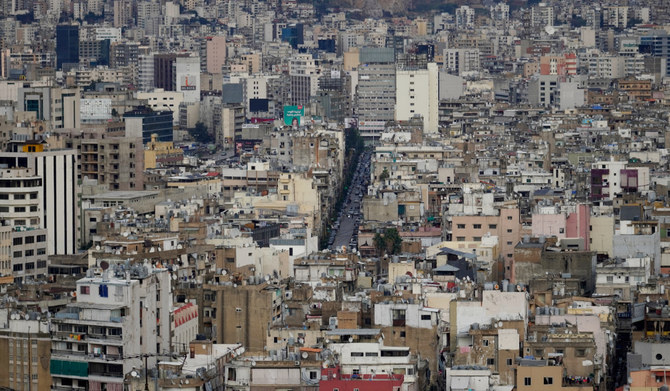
465,17
375,358
187,78
417,95
118,318
57,210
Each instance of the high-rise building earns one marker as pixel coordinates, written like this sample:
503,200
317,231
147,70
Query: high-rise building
21,209
215,49
145,72
542,15
304,72
67,45
57,170
187,78
657,44
164,70
376,86
465,17
460,61
417,95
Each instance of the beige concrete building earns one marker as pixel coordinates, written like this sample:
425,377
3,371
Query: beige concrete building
244,313
216,53
25,351
162,154
601,234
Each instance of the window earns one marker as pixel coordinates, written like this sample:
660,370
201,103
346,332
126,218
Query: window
18,267
41,238
526,381
460,226
493,226
356,354
17,241
509,361
509,231
485,342
425,317
490,361
548,380
371,354
580,352
103,291
610,278
509,217
84,290
403,334
29,253
561,230
313,375
30,239
18,254
460,238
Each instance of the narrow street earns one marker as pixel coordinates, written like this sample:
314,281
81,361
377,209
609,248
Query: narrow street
345,228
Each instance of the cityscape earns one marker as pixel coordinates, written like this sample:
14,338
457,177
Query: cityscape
321,195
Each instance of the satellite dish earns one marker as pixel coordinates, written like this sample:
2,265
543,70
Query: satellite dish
253,363
134,374
179,247
351,340
125,234
174,277
500,324
151,250
224,272
267,277
104,265
550,30
27,317
97,247
305,355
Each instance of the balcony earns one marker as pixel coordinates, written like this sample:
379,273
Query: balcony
69,353
399,322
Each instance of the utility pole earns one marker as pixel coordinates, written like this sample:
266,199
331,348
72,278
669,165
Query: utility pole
146,373
30,361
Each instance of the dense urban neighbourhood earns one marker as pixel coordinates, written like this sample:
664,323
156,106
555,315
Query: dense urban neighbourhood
334,196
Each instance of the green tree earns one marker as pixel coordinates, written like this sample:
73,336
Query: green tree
393,241
379,243
389,243
200,134
384,175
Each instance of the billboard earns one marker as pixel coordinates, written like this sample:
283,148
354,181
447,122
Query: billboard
293,115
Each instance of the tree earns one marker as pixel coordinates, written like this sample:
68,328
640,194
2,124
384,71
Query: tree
393,241
390,243
379,243
200,134
384,175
